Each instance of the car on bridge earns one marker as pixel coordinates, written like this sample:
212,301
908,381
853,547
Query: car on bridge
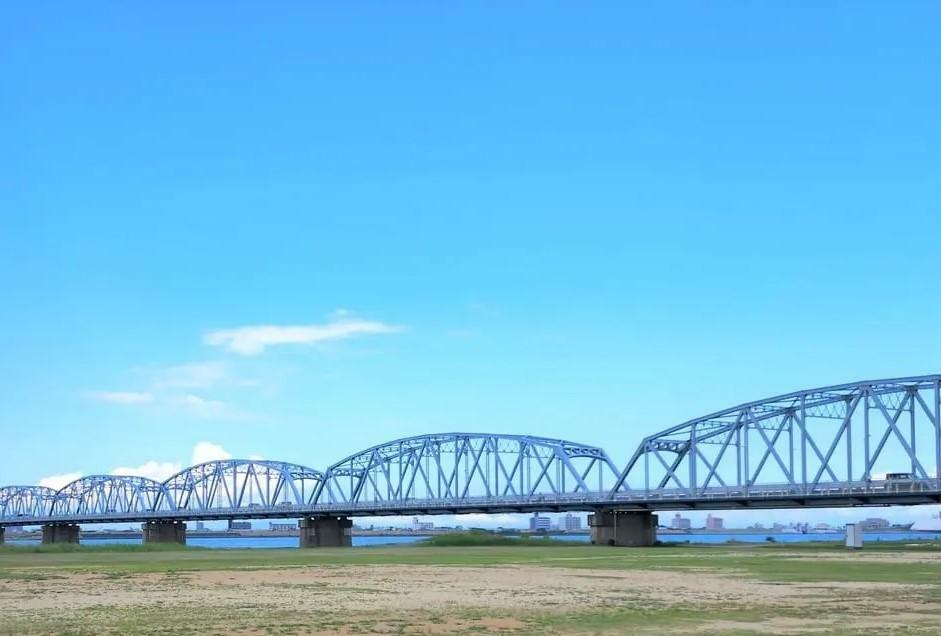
900,481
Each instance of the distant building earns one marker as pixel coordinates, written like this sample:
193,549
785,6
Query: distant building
539,524
714,523
240,525
571,523
282,526
680,523
422,526
874,523
200,526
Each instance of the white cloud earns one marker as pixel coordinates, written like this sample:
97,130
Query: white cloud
197,375
158,471
58,481
253,340
153,469
207,452
123,397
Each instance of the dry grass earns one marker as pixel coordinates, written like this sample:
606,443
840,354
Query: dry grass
598,592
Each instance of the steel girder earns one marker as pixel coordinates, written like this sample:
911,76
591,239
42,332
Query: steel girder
108,494
25,501
848,433
453,467
238,484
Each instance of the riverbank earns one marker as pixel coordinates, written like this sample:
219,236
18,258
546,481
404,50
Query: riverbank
265,542
446,590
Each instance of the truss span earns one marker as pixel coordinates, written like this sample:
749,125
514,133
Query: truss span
25,501
865,435
453,468
243,484
109,495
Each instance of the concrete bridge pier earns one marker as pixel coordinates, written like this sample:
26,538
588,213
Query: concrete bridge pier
164,532
325,532
2,532
623,528
60,533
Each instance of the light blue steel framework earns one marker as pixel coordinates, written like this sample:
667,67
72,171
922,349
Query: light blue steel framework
25,501
835,442
866,443
242,484
457,468
111,494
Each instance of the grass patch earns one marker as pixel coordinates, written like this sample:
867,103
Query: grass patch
488,539
61,548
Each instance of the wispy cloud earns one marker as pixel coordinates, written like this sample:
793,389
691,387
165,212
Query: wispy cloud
172,403
58,481
254,339
123,397
196,375
173,390
206,409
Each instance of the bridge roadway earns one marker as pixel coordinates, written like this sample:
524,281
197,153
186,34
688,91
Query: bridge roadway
859,444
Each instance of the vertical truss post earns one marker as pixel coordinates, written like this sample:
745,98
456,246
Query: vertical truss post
738,452
493,462
937,432
849,441
866,451
912,423
692,461
747,467
790,442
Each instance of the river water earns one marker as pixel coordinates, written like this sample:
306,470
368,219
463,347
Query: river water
365,541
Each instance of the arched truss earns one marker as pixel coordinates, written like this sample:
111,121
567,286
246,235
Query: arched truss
456,467
25,501
244,484
107,495
808,440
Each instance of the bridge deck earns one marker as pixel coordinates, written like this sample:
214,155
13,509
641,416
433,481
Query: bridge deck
777,496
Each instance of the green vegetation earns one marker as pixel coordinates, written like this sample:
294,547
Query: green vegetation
781,562
58,548
480,538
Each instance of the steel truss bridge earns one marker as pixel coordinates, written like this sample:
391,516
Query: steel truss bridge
865,443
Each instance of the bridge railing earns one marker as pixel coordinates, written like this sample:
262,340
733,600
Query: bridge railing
826,489
667,497
284,510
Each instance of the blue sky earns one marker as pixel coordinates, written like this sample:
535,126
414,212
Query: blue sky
583,221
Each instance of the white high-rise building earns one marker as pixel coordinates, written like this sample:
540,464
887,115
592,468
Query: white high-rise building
571,523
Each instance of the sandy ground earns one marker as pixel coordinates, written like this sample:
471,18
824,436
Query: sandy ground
500,594
870,557
383,587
